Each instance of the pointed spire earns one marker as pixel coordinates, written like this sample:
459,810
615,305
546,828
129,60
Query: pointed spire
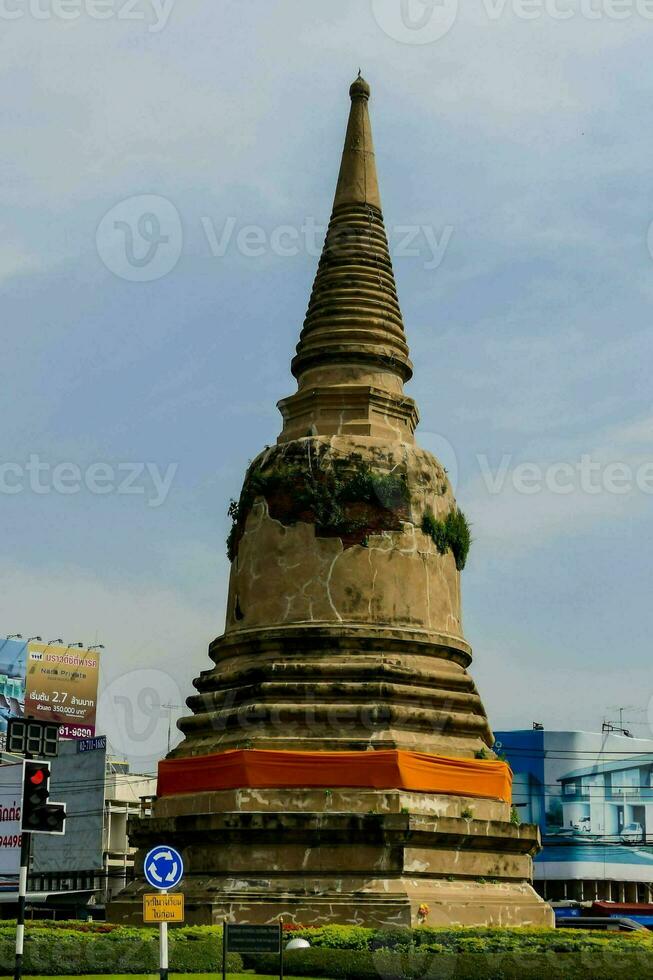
352,356
357,181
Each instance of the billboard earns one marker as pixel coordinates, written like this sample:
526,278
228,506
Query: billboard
13,657
11,791
592,796
51,683
77,779
61,685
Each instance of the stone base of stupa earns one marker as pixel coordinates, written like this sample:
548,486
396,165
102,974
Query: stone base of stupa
363,857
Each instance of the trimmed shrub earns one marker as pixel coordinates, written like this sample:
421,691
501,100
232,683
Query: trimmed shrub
476,940
55,950
386,964
424,953
331,963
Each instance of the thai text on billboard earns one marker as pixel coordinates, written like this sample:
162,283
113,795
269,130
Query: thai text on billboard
61,686
11,788
52,683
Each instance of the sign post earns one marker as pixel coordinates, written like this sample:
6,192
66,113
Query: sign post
251,939
163,945
163,869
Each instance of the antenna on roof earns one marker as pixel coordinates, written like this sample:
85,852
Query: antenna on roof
608,726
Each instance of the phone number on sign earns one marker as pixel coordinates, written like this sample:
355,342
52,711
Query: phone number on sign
11,840
71,731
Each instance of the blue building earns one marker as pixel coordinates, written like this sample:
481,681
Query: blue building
592,796
13,656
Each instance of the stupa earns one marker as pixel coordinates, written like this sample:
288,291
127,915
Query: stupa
337,763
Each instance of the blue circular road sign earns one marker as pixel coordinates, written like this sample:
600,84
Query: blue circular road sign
163,867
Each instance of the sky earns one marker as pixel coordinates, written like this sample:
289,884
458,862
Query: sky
166,170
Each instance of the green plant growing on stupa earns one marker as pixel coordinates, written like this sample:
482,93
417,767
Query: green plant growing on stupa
452,533
324,494
435,529
233,511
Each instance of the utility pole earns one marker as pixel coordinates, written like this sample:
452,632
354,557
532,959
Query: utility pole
25,842
170,708
24,736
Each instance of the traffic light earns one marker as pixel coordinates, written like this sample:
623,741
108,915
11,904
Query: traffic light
38,815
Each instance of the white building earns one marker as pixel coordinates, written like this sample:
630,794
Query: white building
125,794
93,860
608,797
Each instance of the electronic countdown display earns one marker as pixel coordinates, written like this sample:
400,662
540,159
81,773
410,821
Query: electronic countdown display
36,738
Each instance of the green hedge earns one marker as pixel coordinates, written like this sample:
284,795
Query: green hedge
355,953
65,949
475,940
387,964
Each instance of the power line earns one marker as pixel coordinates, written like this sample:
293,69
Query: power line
564,753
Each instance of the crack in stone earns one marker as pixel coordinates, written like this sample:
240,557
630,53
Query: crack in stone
328,587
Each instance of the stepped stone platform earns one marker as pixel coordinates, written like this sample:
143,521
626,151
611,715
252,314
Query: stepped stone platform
360,857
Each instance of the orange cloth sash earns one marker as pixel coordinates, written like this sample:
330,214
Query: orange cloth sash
391,769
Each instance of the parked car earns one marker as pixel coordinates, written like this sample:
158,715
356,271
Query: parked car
632,832
611,924
583,824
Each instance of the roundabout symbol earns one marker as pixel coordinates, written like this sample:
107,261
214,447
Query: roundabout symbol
163,867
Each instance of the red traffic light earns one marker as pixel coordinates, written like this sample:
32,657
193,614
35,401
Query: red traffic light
38,815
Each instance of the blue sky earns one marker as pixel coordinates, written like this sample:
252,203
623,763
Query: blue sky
523,144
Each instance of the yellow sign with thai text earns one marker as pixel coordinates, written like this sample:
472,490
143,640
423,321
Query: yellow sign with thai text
163,908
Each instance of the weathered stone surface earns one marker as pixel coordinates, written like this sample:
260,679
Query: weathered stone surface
337,687
373,868
373,902
332,801
343,631
290,574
